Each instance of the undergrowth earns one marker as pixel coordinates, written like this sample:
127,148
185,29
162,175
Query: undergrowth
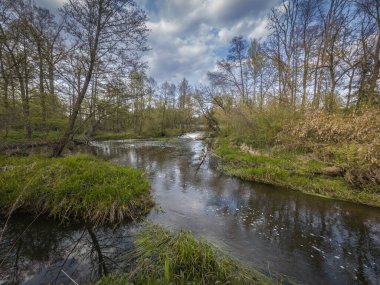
79,187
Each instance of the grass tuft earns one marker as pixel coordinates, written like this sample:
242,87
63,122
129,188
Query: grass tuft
165,258
79,187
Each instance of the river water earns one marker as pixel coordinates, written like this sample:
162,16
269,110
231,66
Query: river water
310,239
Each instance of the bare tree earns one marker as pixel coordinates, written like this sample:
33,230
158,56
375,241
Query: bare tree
233,70
371,9
100,28
14,19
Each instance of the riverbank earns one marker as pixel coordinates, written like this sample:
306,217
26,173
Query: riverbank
75,188
167,135
161,257
294,170
128,136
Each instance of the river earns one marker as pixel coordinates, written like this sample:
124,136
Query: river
278,231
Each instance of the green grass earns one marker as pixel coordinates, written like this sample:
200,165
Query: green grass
293,170
80,187
165,258
15,136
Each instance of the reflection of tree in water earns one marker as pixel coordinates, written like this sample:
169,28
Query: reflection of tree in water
102,266
45,250
18,248
318,236
316,231
319,233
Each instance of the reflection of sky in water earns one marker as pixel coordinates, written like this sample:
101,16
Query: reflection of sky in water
41,254
318,241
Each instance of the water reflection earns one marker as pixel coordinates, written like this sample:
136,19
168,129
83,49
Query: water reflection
37,251
315,240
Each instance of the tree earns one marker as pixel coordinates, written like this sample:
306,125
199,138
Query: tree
112,29
371,9
14,18
233,70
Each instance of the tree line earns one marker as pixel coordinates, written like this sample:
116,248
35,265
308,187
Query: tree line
82,71
50,66
318,54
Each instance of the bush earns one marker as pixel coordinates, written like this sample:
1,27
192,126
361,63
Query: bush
252,125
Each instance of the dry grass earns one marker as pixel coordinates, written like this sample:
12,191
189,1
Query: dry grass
350,141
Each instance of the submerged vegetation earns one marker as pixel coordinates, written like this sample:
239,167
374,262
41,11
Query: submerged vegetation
165,258
79,187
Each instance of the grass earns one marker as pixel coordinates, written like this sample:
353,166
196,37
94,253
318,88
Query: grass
165,258
15,136
293,170
79,187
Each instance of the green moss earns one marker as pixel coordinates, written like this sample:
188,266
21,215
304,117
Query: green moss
293,170
78,187
165,258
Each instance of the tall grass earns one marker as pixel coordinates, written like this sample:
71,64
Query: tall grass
80,187
351,141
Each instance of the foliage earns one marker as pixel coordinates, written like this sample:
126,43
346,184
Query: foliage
253,125
164,258
78,187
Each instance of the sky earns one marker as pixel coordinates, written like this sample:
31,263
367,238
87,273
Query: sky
188,36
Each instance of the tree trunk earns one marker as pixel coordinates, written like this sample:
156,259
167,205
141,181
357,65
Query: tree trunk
375,73
77,106
41,83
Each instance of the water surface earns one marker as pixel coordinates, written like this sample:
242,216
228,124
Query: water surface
314,240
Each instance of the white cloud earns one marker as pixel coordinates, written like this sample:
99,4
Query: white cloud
187,37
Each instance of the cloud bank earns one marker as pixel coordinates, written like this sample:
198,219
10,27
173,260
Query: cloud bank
187,37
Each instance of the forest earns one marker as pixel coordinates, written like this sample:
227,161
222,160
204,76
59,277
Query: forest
86,67
298,108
